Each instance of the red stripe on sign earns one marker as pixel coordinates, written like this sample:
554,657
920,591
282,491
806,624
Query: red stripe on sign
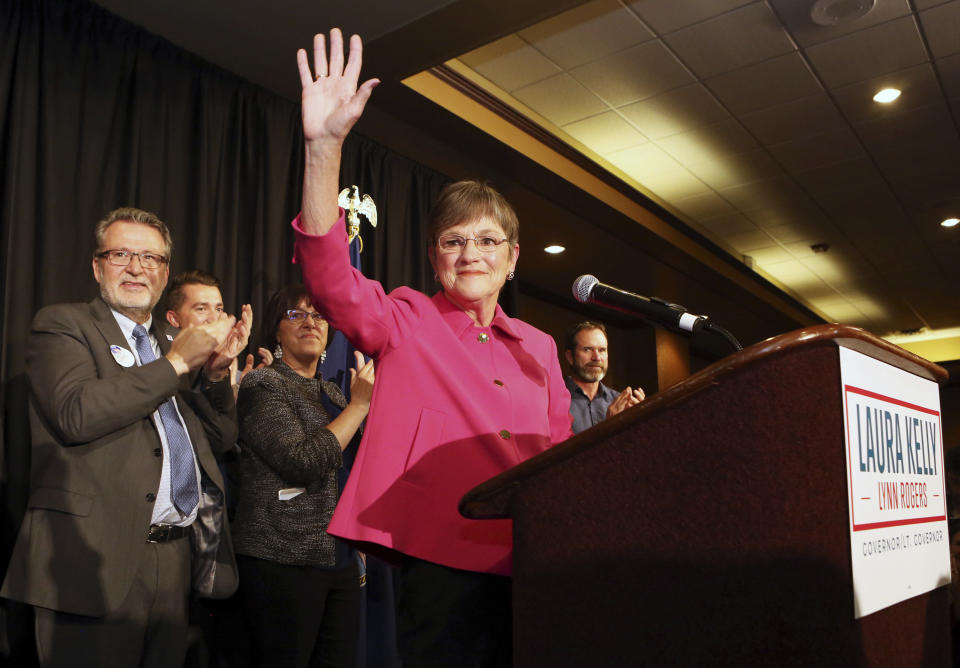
897,523
898,402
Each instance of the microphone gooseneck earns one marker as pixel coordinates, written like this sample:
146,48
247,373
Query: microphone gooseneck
588,289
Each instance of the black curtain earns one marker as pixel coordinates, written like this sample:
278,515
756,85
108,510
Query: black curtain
95,114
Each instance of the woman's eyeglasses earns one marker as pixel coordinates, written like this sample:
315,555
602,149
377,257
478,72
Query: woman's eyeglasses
296,315
455,243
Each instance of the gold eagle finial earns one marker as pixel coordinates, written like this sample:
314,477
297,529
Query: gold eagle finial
355,206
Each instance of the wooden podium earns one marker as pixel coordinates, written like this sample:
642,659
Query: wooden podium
708,526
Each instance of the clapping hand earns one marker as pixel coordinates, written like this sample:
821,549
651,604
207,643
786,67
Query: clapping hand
629,397
194,345
266,359
361,381
218,363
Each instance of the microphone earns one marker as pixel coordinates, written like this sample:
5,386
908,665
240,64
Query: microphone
588,289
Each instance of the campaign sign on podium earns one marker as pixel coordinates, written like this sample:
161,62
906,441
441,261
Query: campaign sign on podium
898,508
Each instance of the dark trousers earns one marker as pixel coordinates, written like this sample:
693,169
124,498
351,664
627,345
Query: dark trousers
450,617
300,616
148,630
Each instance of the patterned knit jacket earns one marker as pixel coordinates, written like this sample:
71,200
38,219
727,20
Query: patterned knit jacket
285,444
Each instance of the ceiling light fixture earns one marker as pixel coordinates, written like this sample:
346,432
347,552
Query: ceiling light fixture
553,250
838,12
950,222
886,96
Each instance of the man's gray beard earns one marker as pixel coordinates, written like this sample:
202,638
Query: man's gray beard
132,311
581,375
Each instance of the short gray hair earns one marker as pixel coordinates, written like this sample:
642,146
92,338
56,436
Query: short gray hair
129,214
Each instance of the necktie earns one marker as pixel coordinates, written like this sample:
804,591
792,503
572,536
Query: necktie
183,476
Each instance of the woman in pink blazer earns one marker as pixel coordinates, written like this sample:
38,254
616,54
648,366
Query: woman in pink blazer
463,391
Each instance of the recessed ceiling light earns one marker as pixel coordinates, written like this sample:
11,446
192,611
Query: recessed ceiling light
950,222
886,96
554,249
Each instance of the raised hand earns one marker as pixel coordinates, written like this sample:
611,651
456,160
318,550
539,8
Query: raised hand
331,102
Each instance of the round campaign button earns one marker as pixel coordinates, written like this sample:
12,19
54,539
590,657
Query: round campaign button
123,356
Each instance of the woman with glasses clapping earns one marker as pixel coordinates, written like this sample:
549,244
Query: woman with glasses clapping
299,585
464,391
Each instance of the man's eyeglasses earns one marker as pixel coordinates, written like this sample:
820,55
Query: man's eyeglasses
296,315
455,243
122,257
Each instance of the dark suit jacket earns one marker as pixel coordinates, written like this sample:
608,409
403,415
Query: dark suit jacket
96,462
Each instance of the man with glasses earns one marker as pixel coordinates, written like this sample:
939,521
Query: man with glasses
591,402
126,501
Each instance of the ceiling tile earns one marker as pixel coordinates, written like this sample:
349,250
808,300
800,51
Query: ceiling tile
869,53
560,99
861,203
793,234
949,69
510,63
927,4
913,162
587,32
877,312
730,170
792,272
799,249
675,111
796,18
706,205
840,310
634,74
674,185
605,133
928,301
641,161
892,255
766,84
801,212
794,120
918,85
923,185
773,194
816,291
802,154
936,237
755,240
708,142
718,46
668,15
941,25
728,224
913,281
770,255
837,270
946,255
846,177
926,125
